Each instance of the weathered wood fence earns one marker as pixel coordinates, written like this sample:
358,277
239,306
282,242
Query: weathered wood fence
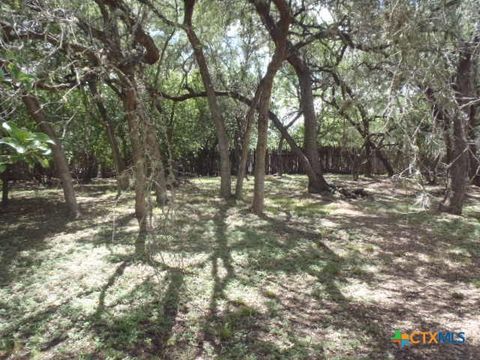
205,163
334,159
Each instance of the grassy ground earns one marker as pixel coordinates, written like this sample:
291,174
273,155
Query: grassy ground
314,278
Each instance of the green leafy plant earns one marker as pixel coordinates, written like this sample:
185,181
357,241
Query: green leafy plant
21,144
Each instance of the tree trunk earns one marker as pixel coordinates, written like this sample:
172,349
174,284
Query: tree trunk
386,163
355,164
458,172
316,184
259,171
249,118
474,172
156,163
61,164
129,99
280,152
276,122
368,159
122,178
90,168
316,181
447,137
223,145
265,96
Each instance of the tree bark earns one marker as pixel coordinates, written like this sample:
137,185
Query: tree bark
471,110
458,172
249,118
381,156
156,163
36,112
275,120
279,154
265,96
130,103
122,178
368,155
316,184
223,144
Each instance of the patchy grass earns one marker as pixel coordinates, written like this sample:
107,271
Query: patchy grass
315,278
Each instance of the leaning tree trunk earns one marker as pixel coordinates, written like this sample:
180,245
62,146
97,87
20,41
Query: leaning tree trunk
61,164
223,145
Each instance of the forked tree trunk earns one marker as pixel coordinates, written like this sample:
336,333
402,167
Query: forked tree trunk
265,96
223,145
249,119
316,181
36,112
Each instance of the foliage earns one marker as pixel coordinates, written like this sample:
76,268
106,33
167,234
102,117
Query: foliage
21,144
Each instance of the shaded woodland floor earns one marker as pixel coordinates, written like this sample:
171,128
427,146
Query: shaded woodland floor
314,278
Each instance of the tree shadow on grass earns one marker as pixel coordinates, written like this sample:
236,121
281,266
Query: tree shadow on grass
144,330
25,226
272,255
220,256
329,269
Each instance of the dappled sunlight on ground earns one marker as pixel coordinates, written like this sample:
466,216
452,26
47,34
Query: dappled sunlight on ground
315,277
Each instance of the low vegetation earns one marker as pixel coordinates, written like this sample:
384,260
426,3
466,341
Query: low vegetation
315,277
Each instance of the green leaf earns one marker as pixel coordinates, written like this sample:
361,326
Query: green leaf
7,126
44,162
14,144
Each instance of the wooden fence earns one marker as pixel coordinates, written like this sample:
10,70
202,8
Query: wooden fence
334,160
205,163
